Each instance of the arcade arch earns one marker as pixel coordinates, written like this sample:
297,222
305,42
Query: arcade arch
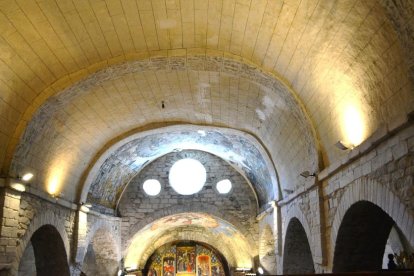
297,256
361,238
47,251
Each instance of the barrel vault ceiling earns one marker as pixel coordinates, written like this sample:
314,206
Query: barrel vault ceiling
76,77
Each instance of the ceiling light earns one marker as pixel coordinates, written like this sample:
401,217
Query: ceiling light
343,145
260,270
27,177
306,174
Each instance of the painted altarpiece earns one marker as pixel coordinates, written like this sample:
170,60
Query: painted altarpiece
185,259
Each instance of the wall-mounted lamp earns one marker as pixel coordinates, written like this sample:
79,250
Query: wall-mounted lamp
27,177
57,196
18,186
87,205
16,183
343,145
307,174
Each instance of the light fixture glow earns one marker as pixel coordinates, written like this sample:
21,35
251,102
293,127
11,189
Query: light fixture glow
353,125
260,270
187,176
53,185
84,209
152,187
223,186
27,177
18,187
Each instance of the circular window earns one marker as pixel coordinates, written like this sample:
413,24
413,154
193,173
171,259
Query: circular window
152,187
187,176
223,186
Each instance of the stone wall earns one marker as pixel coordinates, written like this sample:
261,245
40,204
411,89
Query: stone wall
24,214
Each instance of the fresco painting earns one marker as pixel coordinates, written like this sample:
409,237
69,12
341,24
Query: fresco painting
186,219
129,159
185,259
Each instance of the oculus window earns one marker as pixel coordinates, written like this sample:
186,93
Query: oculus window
224,186
152,187
187,176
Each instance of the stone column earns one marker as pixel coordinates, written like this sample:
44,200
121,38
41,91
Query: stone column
277,228
9,229
81,226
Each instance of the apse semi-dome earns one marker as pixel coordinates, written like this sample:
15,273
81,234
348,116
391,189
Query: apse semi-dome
187,176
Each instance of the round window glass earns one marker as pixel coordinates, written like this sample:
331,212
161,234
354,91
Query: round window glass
152,187
223,186
187,176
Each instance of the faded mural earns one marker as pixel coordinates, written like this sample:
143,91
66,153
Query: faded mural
124,163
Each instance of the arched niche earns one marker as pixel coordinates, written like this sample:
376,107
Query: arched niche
101,257
47,252
267,247
297,256
361,238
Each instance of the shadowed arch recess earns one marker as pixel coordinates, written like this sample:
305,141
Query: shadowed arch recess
297,256
361,238
49,252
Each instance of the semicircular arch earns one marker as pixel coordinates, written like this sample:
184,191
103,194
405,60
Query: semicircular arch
44,218
192,236
192,208
367,189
